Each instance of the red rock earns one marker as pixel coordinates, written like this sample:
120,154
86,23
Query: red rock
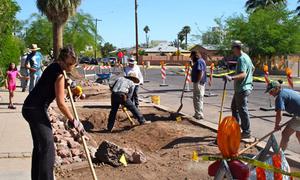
138,157
75,152
64,153
73,144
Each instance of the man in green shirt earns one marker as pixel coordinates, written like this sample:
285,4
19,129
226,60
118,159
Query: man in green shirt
242,87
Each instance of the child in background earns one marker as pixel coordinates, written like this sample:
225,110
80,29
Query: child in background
12,73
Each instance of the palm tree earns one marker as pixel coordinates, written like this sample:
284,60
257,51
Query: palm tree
58,12
252,5
147,29
186,30
180,38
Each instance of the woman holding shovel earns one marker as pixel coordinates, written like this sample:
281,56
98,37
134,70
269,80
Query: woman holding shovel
50,86
286,100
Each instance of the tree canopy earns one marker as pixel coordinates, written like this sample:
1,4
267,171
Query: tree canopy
10,45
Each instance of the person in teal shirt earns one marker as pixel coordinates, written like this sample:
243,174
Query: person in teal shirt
34,64
243,85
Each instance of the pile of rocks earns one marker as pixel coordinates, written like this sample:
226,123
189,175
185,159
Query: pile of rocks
68,148
111,153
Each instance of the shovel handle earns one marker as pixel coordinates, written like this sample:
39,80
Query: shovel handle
261,139
82,137
125,111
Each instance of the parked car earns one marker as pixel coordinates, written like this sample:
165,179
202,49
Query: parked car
84,60
93,61
109,61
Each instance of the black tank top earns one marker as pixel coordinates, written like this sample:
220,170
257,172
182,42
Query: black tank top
44,91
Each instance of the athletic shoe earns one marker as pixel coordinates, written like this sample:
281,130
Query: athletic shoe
245,135
198,117
146,122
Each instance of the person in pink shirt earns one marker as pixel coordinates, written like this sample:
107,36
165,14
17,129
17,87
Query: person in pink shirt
12,73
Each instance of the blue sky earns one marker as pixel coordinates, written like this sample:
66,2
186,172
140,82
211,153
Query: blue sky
164,17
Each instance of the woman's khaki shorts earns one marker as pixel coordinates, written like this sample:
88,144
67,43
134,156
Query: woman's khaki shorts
294,123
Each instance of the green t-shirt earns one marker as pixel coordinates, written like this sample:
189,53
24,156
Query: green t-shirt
244,64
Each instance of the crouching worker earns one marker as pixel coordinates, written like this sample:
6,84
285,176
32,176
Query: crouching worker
121,94
286,100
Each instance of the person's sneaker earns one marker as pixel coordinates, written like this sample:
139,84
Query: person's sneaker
12,107
245,135
23,89
146,122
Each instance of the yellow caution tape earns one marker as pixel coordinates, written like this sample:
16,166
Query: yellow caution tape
253,162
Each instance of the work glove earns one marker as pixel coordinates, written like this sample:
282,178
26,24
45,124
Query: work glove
77,125
227,78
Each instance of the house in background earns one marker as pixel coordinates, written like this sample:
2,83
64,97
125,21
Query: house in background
165,49
208,52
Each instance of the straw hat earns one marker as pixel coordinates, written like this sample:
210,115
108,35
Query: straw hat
132,76
34,47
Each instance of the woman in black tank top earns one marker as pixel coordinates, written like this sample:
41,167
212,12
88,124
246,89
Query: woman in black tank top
50,86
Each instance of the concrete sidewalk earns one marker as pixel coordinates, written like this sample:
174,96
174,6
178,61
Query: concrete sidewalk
15,139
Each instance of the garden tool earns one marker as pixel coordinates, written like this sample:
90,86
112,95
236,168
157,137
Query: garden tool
82,136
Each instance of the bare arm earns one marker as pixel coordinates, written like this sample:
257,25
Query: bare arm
278,119
239,76
60,97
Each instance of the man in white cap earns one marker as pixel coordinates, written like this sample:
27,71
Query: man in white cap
34,65
134,68
121,91
243,85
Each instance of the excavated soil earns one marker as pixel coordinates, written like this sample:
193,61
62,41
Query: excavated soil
168,145
97,93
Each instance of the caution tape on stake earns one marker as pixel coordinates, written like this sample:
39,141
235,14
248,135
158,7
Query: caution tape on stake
253,162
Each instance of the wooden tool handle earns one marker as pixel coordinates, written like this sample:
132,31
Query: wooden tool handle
82,137
125,111
259,140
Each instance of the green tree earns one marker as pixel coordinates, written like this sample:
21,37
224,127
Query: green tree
79,31
186,30
266,32
252,5
298,8
180,36
10,45
146,30
39,32
58,12
107,48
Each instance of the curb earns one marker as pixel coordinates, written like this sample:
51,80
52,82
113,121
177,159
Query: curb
291,156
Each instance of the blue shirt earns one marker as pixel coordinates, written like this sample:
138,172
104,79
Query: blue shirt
288,100
199,66
35,61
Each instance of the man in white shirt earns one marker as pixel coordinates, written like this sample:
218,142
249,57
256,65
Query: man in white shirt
134,68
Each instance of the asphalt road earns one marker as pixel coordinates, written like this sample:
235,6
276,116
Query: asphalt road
262,122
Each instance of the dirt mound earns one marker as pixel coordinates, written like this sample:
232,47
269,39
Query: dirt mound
99,92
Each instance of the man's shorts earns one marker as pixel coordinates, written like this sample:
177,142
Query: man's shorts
294,123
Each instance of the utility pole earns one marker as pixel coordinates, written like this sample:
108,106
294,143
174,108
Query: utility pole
96,24
136,33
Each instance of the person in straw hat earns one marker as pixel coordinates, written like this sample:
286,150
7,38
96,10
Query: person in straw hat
34,65
134,68
121,91
286,100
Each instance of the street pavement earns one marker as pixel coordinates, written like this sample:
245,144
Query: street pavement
262,122
15,139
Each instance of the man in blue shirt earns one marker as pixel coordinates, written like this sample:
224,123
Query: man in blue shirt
286,100
34,64
199,80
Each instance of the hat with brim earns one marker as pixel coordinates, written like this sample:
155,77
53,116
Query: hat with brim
131,60
34,47
236,43
272,85
132,77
